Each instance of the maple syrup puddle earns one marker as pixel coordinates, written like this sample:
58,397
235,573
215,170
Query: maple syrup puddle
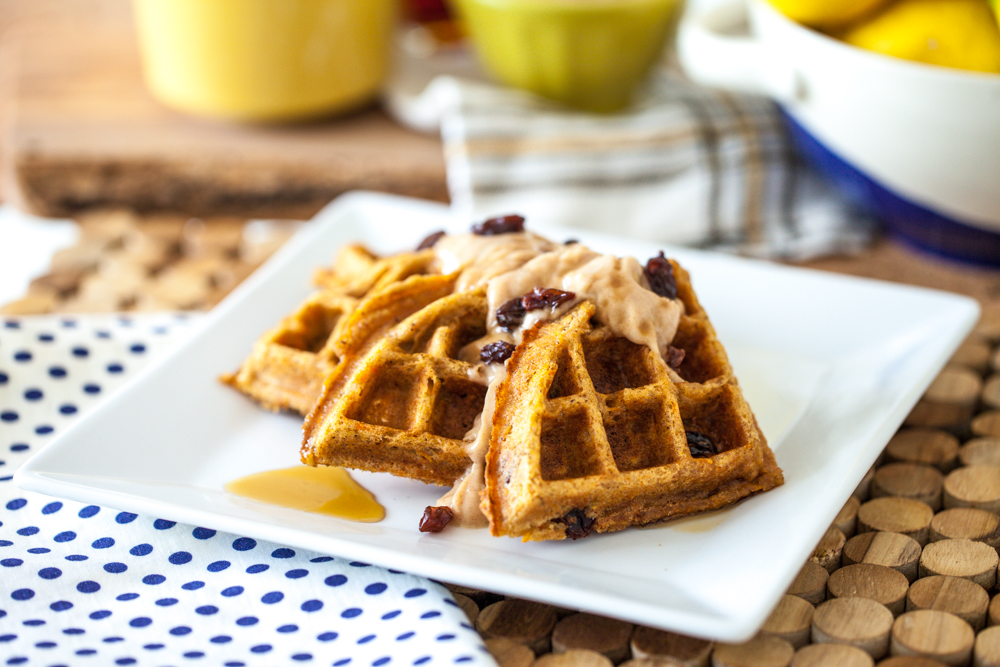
323,490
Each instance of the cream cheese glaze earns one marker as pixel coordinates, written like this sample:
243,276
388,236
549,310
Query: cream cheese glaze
511,265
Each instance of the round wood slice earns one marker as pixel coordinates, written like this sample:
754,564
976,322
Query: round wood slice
761,651
986,424
481,598
897,515
468,605
924,445
828,552
831,655
993,611
973,486
988,326
910,661
680,649
900,552
967,559
575,658
933,634
524,621
909,480
986,650
846,520
858,622
970,523
790,620
974,353
862,490
949,400
810,583
867,580
606,636
980,451
990,395
955,595
509,653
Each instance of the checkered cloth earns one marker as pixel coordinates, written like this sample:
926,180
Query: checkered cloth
684,165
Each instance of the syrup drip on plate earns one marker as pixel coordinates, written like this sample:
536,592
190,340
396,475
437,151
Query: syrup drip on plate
323,490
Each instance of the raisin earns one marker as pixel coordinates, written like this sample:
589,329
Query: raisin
675,357
547,297
511,314
497,352
660,275
505,224
435,519
570,242
430,240
701,445
577,523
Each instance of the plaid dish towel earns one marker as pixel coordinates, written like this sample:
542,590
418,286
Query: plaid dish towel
685,165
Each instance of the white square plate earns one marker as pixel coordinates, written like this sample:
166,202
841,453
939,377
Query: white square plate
831,366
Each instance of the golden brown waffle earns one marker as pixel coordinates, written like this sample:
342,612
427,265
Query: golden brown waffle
288,364
401,400
591,433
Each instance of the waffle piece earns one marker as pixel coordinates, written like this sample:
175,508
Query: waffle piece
591,433
288,364
401,400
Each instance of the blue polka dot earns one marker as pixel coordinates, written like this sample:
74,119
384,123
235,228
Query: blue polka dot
366,639
46,337
282,553
300,657
125,661
88,511
218,566
207,610
193,585
327,636
115,568
180,558
335,580
69,324
288,628
125,597
244,543
234,663
103,543
381,661
9,416
138,348
4,378
73,631
44,429
254,569
430,614
33,623
153,579
221,639
18,447
232,591
140,622
463,658
67,409
7,638
445,638
61,605
421,661
406,635
115,368
23,594
103,334
166,602
341,662
92,388
414,593
163,524
81,352
33,394
260,648
351,613
247,620
141,550
50,573
203,533
272,597
65,536
358,564
19,660
388,616
321,559
296,574
5,543
45,645
27,531
52,508
98,615
16,504
86,651
312,605
180,630
113,640
125,517
22,356
57,372
11,562
376,589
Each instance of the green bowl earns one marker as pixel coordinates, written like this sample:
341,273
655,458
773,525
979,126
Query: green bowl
587,54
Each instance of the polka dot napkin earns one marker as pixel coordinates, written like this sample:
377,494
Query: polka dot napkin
86,585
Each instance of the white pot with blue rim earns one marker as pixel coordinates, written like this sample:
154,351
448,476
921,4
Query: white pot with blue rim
918,145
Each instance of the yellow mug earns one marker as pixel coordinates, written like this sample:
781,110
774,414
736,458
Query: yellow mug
265,60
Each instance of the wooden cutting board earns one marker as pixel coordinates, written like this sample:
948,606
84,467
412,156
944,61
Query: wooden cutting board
80,131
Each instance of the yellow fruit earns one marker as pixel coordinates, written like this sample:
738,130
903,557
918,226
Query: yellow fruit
826,14
950,33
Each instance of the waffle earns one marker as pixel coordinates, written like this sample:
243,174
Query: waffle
591,432
288,364
401,400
